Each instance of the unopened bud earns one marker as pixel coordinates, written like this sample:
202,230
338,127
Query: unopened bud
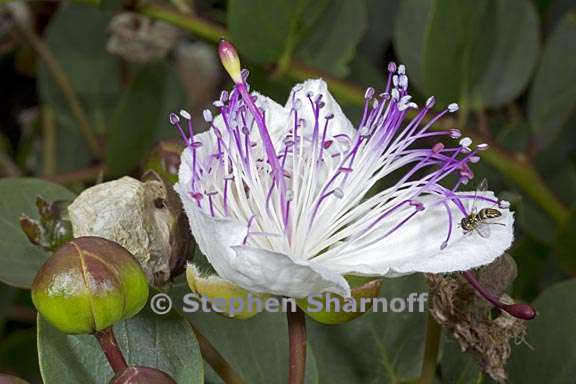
231,300
88,285
230,60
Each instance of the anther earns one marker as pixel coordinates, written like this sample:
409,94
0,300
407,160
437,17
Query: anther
453,107
207,115
369,93
438,147
174,118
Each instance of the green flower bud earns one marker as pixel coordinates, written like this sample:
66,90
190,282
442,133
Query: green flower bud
142,375
363,289
9,379
217,289
89,284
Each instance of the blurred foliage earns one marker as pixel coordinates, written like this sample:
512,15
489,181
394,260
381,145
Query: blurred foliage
510,64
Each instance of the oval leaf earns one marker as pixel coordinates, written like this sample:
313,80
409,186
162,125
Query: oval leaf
548,357
136,119
553,93
265,30
479,52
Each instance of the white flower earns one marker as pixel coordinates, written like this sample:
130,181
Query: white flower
288,200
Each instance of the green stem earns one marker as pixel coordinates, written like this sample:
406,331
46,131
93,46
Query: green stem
198,26
63,82
216,360
431,350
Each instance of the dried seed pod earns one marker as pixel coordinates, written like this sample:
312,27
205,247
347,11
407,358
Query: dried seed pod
142,375
89,284
144,217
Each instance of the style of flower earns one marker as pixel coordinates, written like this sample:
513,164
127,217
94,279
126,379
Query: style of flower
288,200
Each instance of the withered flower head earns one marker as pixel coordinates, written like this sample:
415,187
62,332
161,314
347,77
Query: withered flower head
144,217
456,306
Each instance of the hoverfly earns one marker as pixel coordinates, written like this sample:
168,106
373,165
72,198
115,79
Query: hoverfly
480,220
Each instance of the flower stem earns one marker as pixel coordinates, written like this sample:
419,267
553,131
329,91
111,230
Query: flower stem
216,360
110,348
297,341
431,349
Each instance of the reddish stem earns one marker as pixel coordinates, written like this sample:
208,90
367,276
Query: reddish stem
297,340
110,348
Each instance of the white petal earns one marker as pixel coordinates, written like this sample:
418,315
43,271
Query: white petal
254,269
339,124
415,247
280,274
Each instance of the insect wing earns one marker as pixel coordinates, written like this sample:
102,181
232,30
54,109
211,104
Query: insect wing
482,187
483,230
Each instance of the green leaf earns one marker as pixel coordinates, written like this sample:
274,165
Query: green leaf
553,94
477,52
164,342
376,347
20,259
566,244
513,55
531,257
458,367
331,43
137,119
77,36
457,47
408,36
264,30
550,348
379,32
